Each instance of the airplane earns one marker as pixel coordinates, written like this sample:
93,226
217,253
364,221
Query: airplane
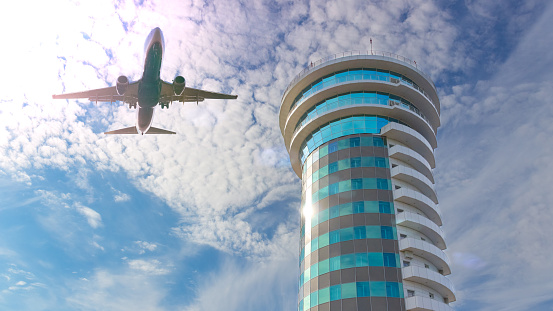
149,91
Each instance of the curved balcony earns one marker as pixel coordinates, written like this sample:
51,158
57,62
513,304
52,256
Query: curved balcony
369,59
398,89
427,251
419,201
420,303
416,179
412,158
429,278
423,225
412,139
393,111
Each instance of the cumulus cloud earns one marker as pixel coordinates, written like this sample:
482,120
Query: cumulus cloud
227,165
121,197
145,246
494,172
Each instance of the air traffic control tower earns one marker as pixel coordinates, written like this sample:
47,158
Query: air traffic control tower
360,129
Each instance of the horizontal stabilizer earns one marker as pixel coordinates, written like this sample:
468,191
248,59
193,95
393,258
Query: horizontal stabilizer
127,130
155,130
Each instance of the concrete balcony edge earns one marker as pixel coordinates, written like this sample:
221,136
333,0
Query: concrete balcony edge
423,225
414,159
419,201
420,303
416,179
427,251
431,279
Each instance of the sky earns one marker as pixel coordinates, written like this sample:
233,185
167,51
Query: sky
208,219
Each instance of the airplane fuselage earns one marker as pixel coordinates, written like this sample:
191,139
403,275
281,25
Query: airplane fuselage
149,88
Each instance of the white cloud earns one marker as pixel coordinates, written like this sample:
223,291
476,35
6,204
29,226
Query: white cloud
494,175
153,267
123,197
92,217
105,290
265,284
227,165
144,246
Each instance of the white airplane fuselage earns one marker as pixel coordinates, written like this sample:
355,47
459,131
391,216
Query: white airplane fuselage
149,87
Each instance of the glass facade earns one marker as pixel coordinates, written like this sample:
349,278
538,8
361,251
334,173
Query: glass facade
348,225
356,124
356,98
354,75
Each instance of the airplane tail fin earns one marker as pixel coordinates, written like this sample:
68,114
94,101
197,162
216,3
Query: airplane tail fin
127,130
155,130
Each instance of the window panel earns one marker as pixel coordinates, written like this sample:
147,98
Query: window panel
375,259
324,240
361,260
378,289
389,259
346,234
347,261
334,263
363,289
324,266
335,292
324,295
346,209
360,233
349,290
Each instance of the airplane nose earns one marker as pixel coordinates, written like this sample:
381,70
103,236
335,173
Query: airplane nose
157,34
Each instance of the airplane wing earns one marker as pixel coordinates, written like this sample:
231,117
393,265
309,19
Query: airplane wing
108,94
189,94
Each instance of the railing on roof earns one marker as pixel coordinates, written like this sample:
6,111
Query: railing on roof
321,61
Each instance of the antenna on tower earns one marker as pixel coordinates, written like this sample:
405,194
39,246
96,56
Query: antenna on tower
371,46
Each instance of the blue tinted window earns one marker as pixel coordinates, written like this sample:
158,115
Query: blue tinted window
346,234
335,292
380,162
355,162
361,260
349,290
389,259
358,207
324,295
332,147
354,142
387,232
335,211
384,207
346,209
334,263
333,189
347,261
392,289
360,232
314,298
382,183
356,184
332,167
363,289
334,237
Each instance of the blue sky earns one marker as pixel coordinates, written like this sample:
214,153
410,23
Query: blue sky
208,219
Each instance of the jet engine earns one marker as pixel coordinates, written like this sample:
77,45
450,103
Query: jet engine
178,85
121,85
